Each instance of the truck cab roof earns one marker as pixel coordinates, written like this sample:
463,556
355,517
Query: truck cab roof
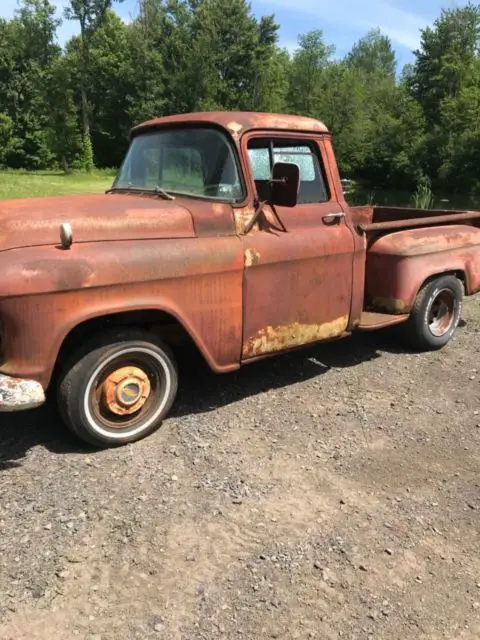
237,122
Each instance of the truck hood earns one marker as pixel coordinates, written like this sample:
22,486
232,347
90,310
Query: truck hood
96,218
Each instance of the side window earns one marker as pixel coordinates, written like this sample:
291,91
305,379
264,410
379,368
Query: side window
260,161
302,156
264,153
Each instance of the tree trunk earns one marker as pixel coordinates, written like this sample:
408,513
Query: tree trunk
64,163
85,118
87,141
83,82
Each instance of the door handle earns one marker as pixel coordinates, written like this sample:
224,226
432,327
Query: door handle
332,217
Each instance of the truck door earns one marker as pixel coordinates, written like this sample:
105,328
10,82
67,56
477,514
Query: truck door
298,283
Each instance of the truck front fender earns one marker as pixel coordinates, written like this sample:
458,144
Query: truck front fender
203,293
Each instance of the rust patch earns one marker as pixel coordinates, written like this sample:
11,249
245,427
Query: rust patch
126,391
391,305
245,120
427,240
235,129
272,339
94,218
252,257
243,215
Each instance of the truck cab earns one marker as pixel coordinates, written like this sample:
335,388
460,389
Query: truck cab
229,230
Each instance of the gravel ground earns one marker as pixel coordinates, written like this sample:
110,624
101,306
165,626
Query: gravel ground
331,493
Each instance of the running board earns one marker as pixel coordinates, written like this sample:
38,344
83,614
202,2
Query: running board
371,321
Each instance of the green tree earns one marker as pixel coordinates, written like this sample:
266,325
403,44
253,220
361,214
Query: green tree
271,67
63,126
9,144
444,81
143,68
90,15
393,145
110,64
224,60
340,103
459,140
27,48
374,56
306,71
445,59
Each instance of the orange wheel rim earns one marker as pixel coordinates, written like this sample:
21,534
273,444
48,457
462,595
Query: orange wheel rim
125,391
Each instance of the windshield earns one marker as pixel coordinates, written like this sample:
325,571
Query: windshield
198,162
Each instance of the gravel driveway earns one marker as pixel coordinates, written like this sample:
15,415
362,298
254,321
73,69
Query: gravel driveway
330,493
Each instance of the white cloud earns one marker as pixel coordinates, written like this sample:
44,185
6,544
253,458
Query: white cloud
403,27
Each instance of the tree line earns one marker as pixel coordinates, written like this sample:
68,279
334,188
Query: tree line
73,106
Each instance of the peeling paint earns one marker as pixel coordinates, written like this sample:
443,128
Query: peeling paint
235,128
243,215
272,339
17,394
252,257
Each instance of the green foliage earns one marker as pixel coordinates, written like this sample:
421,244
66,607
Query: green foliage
90,15
26,50
74,108
423,198
445,82
62,123
87,162
444,62
142,72
373,56
310,61
341,100
9,144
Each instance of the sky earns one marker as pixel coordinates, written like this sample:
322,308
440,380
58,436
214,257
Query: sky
343,22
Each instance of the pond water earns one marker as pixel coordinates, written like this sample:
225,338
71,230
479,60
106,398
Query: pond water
359,195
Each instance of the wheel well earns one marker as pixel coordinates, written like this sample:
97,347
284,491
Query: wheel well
458,273
158,322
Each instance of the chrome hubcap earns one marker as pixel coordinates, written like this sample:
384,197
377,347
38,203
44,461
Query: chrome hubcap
441,315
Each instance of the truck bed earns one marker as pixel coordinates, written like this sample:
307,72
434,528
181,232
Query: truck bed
378,219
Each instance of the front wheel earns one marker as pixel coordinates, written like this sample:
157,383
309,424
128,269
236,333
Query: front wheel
118,389
435,314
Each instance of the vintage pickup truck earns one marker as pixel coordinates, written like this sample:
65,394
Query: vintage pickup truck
230,230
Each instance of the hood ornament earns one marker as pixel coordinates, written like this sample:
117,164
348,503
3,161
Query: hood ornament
66,236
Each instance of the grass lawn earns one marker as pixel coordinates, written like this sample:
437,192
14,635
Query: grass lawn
32,184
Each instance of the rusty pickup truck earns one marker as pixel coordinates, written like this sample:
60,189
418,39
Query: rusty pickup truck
230,230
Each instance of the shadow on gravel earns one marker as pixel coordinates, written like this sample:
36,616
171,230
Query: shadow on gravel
201,390
21,431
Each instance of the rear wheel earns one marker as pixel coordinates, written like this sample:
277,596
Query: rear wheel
435,314
118,389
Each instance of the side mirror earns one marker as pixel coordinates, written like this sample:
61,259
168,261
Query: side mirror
285,184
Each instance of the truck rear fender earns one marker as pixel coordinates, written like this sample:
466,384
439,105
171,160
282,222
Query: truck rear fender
399,264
